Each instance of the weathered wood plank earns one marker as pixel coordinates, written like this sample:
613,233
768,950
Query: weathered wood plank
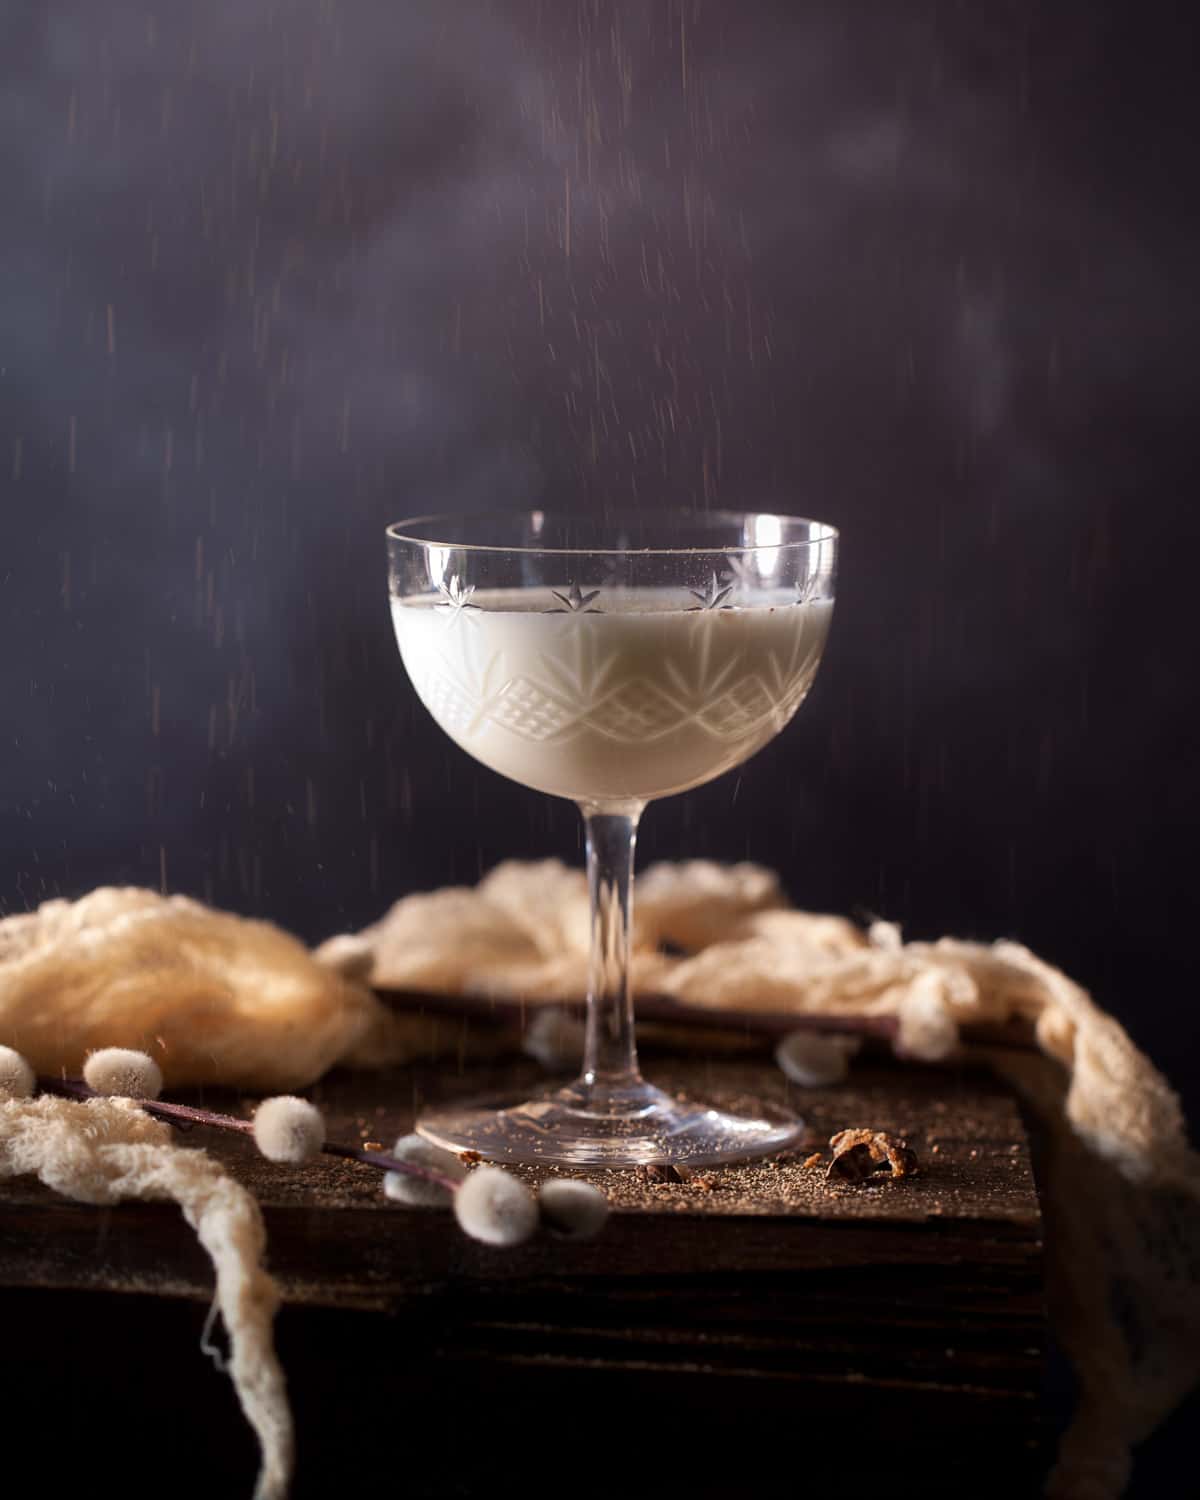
335,1237
857,1340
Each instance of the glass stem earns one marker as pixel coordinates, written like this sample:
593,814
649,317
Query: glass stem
610,1062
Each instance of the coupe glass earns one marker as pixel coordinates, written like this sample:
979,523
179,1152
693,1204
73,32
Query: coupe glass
611,660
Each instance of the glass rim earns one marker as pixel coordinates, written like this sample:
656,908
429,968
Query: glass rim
826,533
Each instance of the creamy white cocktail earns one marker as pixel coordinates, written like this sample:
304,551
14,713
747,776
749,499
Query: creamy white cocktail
611,659
624,695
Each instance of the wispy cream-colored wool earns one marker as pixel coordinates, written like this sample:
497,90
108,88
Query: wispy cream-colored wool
699,902
1121,1284
213,998
350,955
546,900
106,1150
435,941
750,952
523,931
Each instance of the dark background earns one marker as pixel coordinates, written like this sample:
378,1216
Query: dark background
276,274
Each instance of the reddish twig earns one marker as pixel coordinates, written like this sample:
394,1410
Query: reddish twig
186,1116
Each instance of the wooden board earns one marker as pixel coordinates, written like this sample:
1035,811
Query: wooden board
910,1310
336,1239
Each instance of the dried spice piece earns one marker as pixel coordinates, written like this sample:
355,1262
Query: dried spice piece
813,1161
659,1172
901,1157
859,1154
845,1139
469,1158
854,1163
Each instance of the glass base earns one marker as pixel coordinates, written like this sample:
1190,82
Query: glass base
632,1126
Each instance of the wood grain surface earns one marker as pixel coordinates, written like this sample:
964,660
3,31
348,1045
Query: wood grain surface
901,1321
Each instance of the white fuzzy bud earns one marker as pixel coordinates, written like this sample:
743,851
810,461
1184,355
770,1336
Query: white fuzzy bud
417,1191
123,1073
571,1207
495,1207
554,1038
814,1061
288,1129
17,1078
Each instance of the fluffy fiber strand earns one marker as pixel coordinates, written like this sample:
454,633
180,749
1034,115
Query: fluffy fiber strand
106,1150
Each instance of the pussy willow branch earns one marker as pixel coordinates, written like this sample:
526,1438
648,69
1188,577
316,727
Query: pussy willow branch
187,1115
